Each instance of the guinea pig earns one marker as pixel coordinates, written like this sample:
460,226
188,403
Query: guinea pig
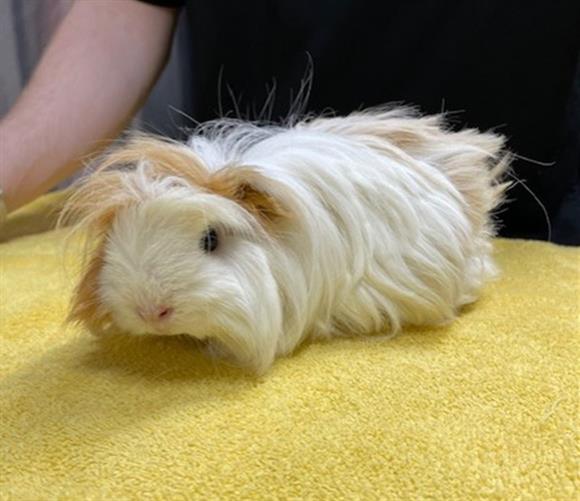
254,237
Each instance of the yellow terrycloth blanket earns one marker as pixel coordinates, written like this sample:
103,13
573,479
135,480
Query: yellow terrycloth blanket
484,408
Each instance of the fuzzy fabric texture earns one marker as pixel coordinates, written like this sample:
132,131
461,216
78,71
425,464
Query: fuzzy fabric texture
484,408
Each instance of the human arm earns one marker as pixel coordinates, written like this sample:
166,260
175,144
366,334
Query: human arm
95,73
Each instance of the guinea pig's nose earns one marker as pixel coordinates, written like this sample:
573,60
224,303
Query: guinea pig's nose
159,313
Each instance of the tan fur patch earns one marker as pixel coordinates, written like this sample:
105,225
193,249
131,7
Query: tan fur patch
101,195
86,304
241,185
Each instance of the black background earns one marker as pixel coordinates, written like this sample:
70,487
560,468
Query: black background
502,65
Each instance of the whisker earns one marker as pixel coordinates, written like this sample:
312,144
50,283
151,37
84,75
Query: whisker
185,115
234,102
532,161
536,198
219,92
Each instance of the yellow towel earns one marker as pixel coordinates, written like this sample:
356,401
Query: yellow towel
486,408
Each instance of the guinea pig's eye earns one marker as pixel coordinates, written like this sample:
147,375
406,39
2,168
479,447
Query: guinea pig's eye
209,240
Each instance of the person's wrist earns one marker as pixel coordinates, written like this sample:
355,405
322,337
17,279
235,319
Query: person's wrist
3,208
4,159
16,174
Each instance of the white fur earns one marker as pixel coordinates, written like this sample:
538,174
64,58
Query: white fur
380,235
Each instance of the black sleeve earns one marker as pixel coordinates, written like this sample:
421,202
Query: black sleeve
165,3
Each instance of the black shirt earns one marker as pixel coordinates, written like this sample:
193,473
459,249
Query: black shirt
506,65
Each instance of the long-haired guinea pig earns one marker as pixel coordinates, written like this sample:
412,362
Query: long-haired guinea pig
254,238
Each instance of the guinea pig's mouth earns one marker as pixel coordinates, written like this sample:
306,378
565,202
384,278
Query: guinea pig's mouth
167,332
152,331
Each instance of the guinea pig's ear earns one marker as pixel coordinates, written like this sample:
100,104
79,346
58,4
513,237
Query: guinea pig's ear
86,306
252,190
91,209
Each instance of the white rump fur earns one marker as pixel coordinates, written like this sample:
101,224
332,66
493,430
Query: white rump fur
388,224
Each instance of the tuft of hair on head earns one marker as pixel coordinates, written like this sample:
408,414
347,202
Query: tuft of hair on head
99,196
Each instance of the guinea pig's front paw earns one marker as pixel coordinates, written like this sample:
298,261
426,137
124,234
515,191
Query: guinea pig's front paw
214,350
105,330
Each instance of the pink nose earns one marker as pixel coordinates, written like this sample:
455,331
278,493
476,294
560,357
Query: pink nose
155,314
